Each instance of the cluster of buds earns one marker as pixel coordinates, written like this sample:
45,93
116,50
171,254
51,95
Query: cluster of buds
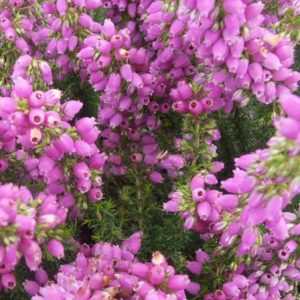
26,223
112,271
274,270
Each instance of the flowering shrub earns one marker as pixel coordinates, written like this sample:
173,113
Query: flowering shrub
176,174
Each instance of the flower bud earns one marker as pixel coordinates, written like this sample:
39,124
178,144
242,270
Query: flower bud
31,287
8,281
178,282
36,116
55,248
204,210
41,276
95,194
71,108
22,88
156,177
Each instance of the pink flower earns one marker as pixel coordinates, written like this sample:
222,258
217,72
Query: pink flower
62,7
156,177
71,108
55,248
22,88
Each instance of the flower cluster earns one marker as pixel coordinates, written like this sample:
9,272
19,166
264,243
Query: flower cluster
274,270
110,271
42,147
263,185
200,206
241,53
26,223
65,157
193,58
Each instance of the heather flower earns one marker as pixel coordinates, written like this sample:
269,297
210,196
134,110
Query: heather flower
95,194
55,248
156,177
22,88
41,276
8,281
31,287
71,108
